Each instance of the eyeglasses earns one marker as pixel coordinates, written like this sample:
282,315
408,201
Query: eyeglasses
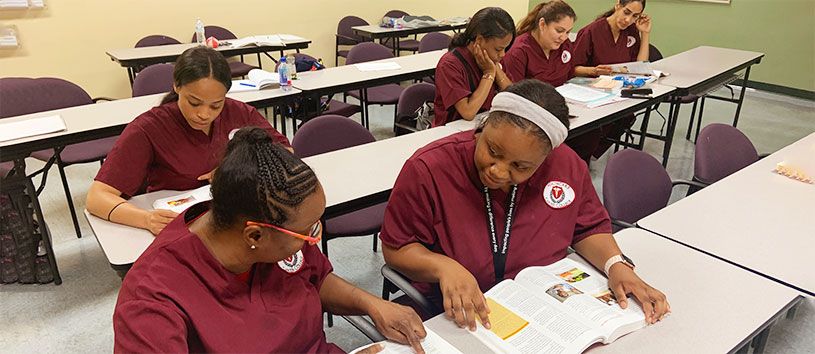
314,236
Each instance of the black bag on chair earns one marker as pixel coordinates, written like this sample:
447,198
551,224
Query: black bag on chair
22,257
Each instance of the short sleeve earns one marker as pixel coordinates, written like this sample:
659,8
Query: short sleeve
592,217
319,264
126,165
141,326
515,63
582,53
409,214
451,83
257,120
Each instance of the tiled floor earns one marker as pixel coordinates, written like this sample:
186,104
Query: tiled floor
76,316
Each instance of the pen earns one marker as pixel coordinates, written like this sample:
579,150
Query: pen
245,84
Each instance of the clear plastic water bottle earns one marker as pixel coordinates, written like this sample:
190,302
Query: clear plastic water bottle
284,71
292,67
199,32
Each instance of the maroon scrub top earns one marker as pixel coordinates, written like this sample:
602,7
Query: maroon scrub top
179,298
438,201
525,60
160,151
453,82
595,44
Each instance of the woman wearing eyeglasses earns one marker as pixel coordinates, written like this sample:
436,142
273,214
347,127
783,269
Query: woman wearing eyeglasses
242,272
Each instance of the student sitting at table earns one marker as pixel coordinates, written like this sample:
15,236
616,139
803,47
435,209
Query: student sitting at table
176,145
236,275
620,35
509,185
469,74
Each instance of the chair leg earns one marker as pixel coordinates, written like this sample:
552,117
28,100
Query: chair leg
71,207
376,240
692,115
325,247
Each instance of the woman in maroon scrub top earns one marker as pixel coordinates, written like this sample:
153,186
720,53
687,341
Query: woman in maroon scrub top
620,35
176,145
469,74
236,275
472,209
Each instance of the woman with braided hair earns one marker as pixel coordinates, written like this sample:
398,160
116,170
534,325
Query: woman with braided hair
242,273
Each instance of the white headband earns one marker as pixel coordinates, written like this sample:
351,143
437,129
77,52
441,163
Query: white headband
511,103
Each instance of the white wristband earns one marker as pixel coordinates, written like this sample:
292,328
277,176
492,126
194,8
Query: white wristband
611,261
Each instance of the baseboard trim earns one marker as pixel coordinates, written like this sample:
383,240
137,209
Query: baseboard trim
784,90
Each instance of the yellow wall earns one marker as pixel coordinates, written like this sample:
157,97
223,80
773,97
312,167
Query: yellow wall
68,38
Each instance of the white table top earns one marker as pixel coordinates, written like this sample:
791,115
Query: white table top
585,115
349,74
345,174
126,54
715,306
754,218
375,29
695,66
118,112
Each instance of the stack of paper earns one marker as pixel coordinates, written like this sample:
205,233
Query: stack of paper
14,4
31,127
378,66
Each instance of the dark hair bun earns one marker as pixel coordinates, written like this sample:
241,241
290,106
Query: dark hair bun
251,135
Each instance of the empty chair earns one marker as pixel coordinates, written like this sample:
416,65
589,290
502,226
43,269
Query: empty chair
328,133
345,36
635,185
721,149
26,95
434,41
238,68
156,78
383,95
410,100
407,45
156,40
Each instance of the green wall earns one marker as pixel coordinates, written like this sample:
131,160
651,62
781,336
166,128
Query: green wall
782,29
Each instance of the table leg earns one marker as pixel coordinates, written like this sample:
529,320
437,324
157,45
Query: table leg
131,75
741,95
760,341
673,113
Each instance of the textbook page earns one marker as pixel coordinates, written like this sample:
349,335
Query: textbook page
181,202
526,323
432,344
634,67
31,127
586,292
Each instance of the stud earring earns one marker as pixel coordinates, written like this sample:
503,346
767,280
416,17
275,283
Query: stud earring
253,247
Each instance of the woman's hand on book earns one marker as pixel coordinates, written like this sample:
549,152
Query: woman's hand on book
398,323
158,219
463,299
623,281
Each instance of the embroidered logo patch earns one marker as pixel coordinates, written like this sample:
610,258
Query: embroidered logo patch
558,194
292,263
566,56
631,42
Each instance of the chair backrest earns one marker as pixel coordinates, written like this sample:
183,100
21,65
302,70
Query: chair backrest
721,150
634,186
218,32
396,13
344,27
297,56
20,95
413,97
434,41
156,78
653,53
156,40
368,51
328,133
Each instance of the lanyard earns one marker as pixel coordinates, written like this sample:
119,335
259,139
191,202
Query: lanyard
499,257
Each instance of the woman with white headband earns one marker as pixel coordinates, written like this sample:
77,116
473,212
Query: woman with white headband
472,209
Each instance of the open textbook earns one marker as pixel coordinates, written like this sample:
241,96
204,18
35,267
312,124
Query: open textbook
180,202
586,96
257,79
432,344
636,68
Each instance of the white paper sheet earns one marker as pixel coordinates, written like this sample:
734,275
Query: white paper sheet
31,127
380,66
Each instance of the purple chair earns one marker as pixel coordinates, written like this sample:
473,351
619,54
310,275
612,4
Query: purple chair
156,40
328,133
434,41
721,150
5,168
25,95
345,36
382,95
410,100
156,78
238,68
406,45
635,185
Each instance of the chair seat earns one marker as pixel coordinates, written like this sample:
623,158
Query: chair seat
5,168
87,151
343,53
341,108
409,45
366,221
239,69
385,94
